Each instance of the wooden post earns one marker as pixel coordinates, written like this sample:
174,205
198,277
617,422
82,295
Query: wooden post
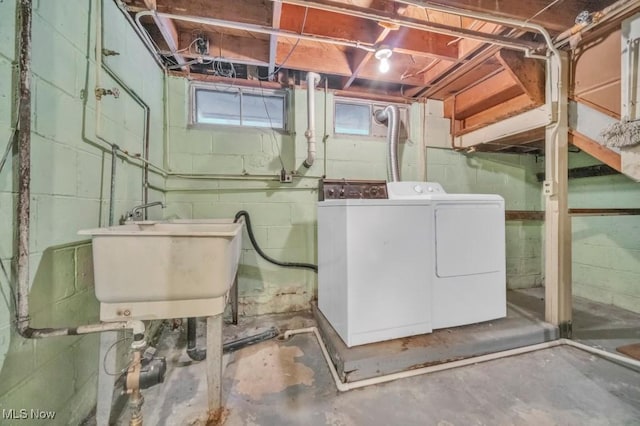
214,364
557,221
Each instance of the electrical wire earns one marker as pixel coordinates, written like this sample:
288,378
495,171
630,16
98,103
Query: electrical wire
104,359
286,58
273,132
542,10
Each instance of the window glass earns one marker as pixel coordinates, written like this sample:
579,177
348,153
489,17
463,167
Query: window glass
239,107
218,107
352,119
259,111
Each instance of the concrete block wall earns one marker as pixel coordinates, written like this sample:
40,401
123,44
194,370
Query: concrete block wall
283,215
513,177
606,249
70,191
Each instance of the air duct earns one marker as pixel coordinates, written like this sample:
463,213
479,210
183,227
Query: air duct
312,80
389,115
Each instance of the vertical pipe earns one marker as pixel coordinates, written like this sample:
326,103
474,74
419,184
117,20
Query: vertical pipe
23,205
112,192
312,80
24,165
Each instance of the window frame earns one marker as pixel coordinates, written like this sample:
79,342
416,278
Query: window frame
193,105
373,105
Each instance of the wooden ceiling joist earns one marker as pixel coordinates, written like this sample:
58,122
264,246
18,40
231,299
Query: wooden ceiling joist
273,41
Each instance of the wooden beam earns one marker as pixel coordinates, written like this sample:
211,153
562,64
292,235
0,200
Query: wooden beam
486,94
596,150
234,48
558,298
604,212
513,106
524,215
556,18
228,81
273,41
528,73
360,58
169,33
322,58
422,43
247,11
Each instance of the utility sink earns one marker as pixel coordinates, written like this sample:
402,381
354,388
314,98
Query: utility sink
165,269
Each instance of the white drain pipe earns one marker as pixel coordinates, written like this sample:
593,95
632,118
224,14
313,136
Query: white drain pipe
343,387
312,80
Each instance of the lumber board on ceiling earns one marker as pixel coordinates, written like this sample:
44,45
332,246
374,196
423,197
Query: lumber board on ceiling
557,18
232,47
247,11
511,107
328,24
493,91
528,73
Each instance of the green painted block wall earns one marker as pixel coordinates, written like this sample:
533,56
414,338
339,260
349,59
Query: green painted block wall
606,249
70,191
283,215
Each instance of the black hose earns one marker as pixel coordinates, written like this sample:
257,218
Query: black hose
265,256
198,354
194,353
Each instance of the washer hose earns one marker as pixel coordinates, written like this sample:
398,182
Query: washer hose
262,254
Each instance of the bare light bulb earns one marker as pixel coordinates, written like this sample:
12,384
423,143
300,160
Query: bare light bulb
383,67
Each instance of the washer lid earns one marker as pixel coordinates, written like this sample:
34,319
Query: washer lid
413,190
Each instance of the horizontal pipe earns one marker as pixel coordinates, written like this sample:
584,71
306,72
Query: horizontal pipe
255,29
433,27
618,8
343,387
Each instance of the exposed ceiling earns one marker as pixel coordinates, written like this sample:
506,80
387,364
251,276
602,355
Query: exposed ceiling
471,64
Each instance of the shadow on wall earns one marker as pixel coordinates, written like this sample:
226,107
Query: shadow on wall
50,371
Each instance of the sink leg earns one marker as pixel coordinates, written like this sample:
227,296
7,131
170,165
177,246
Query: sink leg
214,364
234,301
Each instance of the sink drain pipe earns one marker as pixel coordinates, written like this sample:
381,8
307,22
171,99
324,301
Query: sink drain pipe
199,354
343,387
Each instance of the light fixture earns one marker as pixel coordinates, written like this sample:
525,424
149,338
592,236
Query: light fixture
383,53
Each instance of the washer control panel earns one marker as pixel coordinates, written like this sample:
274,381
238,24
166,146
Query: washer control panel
336,189
413,190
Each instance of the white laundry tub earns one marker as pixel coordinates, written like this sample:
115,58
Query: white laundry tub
165,269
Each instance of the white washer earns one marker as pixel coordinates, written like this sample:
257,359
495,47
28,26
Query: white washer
421,260
468,278
373,263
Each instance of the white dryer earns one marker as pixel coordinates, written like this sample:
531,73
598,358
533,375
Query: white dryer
468,277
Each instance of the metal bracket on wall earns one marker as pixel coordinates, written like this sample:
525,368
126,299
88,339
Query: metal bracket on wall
100,92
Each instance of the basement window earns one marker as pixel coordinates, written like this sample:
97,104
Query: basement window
355,117
238,107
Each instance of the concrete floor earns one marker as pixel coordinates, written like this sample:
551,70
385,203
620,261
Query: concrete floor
282,383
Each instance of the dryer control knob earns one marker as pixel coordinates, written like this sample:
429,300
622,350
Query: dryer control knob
418,189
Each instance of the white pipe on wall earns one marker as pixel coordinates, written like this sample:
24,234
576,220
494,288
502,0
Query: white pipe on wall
343,387
312,80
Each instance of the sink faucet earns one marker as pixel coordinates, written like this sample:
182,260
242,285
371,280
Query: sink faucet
136,212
